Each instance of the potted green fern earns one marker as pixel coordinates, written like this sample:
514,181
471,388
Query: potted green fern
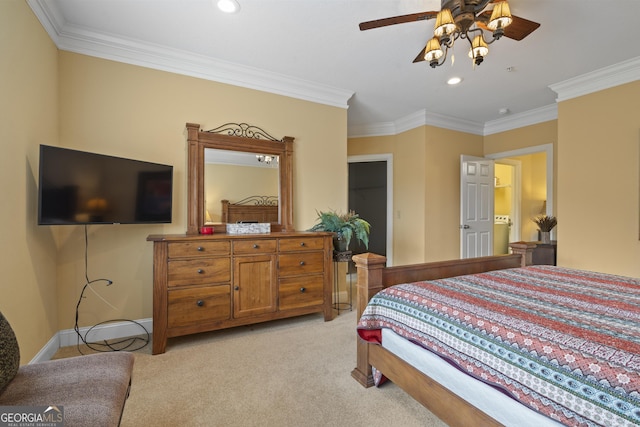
345,226
545,224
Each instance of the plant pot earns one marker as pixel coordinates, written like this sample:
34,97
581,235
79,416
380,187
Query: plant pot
545,237
339,242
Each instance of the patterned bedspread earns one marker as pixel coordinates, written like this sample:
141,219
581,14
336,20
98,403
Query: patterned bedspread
564,342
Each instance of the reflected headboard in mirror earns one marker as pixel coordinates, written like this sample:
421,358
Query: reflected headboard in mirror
251,209
237,137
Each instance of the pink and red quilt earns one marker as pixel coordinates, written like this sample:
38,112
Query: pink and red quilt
563,342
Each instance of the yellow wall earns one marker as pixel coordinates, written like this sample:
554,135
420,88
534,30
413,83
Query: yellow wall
524,137
76,101
81,102
130,111
503,191
234,183
598,181
425,162
533,192
443,190
28,117
533,168
408,151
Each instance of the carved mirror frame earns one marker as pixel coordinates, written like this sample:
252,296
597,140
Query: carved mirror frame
236,137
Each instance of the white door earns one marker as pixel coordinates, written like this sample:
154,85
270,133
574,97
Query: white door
476,206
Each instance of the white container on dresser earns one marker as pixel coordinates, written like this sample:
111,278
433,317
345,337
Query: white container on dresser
205,283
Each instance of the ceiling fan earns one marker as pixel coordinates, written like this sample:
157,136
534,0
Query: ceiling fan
465,19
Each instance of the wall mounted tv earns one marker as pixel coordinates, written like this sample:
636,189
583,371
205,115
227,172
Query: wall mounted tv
77,187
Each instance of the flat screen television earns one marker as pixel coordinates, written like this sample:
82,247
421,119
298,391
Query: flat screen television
78,187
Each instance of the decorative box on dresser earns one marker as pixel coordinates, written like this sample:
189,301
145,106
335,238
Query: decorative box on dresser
205,283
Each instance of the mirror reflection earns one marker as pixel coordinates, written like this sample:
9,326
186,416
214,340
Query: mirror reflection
239,177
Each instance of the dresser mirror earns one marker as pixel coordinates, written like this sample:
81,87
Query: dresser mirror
242,142
240,187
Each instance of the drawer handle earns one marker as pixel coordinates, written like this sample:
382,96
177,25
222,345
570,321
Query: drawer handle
200,271
301,243
303,290
199,303
200,249
301,262
237,288
255,246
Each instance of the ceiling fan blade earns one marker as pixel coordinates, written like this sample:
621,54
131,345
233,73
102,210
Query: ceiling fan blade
519,28
422,16
420,56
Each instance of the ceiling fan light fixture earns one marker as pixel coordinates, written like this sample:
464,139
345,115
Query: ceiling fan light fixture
462,19
500,16
444,23
433,52
479,49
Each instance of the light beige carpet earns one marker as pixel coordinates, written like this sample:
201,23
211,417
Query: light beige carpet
294,372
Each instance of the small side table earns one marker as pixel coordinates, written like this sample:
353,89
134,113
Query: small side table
342,257
545,253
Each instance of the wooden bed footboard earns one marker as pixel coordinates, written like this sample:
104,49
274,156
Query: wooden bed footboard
373,276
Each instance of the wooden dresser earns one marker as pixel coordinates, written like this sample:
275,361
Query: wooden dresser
204,283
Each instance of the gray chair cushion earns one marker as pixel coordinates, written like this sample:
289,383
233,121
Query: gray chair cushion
9,353
92,389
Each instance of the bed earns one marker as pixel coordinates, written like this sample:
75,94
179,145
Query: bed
251,209
451,335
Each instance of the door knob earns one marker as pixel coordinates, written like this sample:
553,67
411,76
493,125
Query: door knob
465,226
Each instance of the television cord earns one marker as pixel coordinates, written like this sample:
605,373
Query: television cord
130,343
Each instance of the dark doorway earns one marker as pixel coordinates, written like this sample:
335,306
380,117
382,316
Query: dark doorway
368,198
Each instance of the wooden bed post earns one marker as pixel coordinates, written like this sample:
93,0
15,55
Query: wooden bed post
369,267
524,249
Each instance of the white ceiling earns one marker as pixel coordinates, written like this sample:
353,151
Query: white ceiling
313,49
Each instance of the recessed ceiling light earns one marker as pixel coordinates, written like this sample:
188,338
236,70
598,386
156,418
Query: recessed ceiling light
228,6
454,80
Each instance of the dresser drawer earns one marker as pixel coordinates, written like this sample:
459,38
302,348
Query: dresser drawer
260,246
303,291
201,271
198,249
300,263
196,305
301,244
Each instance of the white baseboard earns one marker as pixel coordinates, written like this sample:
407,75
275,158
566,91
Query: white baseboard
108,331
47,352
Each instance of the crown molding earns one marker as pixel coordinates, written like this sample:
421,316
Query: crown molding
80,40
453,123
426,118
526,118
375,129
412,121
604,78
